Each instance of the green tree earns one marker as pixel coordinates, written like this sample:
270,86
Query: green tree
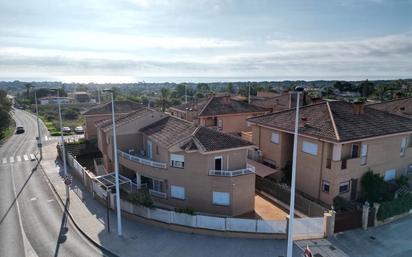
164,97
203,88
5,108
366,88
230,88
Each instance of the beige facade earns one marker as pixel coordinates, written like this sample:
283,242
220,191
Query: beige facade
90,131
229,123
328,169
195,182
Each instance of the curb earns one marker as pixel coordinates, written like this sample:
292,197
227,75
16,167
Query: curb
104,249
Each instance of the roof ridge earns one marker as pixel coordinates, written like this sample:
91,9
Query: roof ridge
204,107
389,101
335,128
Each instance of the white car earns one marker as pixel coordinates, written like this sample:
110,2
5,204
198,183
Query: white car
79,130
66,129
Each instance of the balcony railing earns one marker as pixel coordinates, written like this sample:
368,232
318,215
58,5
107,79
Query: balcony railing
141,160
157,194
232,173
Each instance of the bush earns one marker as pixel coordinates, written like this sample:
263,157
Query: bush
55,133
187,210
287,174
141,198
375,188
391,208
341,204
402,181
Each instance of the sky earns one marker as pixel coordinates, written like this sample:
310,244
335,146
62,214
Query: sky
204,40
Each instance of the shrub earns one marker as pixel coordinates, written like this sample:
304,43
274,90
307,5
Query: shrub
402,181
341,204
287,174
55,133
141,198
398,206
375,188
187,210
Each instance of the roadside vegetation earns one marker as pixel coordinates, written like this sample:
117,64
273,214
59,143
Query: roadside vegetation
7,125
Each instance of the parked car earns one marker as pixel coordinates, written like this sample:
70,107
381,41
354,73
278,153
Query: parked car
79,130
19,130
66,129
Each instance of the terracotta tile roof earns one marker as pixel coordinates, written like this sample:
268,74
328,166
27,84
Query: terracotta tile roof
282,102
402,107
170,131
120,107
194,105
220,105
106,124
336,121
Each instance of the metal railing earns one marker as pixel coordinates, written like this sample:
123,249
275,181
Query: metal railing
232,173
141,160
157,194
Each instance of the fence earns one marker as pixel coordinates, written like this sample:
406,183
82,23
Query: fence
282,193
306,228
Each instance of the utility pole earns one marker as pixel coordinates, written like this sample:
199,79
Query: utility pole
248,99
186,93
116,168
39,144
293,182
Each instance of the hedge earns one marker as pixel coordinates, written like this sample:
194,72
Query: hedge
398,206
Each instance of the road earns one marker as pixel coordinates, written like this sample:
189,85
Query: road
32,223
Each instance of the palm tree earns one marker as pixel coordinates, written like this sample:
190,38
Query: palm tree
165,94
27,85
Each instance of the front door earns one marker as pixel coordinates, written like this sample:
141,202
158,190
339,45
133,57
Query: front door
354,188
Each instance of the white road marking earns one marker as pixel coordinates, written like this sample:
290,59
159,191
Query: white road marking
33,199
11,159
45,138
19,158
4,160
26,158
50,200
32,157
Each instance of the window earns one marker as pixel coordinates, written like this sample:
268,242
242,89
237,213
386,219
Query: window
364,154
325,186
344,187
177,192
218,163
409,169
152,184
149,149
390,175
275,138
177,161
157,185
220,124
403,146
221,198
355,151
310,148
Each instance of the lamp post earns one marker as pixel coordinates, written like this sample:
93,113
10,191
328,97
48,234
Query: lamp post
62,142
116,168
39,144
293,182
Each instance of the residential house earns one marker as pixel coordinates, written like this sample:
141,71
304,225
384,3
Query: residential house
338,142
54,100
104,111
219,112
399,106
182,165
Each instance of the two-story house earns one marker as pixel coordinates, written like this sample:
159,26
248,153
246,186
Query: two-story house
182,165
219,112
399,106
104,111
338,142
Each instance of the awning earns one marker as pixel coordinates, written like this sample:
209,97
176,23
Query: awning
262,170
109,180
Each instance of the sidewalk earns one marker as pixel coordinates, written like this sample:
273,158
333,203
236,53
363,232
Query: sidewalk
144,240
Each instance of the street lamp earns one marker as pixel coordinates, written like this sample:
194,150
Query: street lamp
293,182
116,167
39,144
62,141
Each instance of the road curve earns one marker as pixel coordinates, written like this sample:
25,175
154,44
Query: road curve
33,223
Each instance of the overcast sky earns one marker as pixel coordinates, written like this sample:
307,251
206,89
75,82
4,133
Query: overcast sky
160,40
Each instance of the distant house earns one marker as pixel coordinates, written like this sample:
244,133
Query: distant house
81,97
400,106
285,101
54,100
180,163
104,111
219,112
338,142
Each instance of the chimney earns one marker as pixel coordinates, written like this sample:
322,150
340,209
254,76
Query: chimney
285,92
358,107
397,95
303,121
226,99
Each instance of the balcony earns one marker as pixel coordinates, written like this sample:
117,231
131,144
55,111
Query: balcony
232,173
157,194
142,160
343,164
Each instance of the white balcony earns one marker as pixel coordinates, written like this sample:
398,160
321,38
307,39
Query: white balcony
232,173
142,160
157,194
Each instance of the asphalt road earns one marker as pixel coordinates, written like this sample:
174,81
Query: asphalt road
32,223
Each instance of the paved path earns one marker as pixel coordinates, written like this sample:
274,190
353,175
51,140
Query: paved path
145,240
